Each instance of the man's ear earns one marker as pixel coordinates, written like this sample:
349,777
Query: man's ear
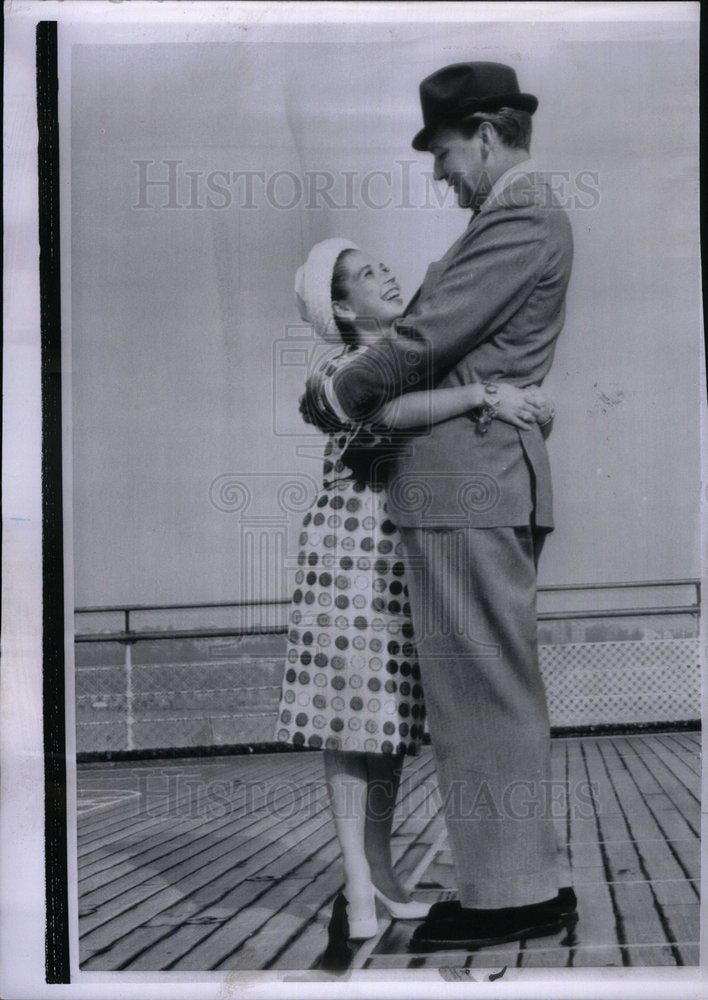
488,138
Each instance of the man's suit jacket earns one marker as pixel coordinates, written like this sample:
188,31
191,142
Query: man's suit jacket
492,307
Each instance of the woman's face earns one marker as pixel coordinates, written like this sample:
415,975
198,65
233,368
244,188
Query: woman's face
372,292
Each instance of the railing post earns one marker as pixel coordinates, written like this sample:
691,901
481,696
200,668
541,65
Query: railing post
130,745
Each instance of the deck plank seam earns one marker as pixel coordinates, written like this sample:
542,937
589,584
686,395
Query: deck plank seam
688,758
674,773
639,761
663,920
619,921
653,815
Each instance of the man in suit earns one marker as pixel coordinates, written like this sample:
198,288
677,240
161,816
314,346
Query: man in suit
472,499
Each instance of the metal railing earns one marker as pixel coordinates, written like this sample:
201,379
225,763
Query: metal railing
179,698
128,635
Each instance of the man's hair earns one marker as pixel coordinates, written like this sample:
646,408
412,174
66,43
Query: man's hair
512,126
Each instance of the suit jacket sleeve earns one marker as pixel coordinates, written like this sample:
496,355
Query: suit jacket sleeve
494,270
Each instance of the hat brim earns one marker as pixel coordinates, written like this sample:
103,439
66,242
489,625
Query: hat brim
521,102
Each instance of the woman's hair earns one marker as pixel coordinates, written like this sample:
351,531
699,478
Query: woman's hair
347,331
309,410
511,125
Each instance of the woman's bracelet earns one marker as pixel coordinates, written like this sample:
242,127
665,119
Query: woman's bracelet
489,408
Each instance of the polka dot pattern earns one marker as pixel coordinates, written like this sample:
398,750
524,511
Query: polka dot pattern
352,680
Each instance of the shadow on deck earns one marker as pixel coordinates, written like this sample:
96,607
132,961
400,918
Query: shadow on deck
231,863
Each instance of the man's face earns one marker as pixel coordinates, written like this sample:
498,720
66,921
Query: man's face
459,161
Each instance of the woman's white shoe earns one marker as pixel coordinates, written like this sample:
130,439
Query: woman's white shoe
362,917
412,910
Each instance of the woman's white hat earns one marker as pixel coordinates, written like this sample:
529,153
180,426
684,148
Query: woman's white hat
313,286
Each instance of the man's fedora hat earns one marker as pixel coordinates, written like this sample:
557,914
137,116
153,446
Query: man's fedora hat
456,92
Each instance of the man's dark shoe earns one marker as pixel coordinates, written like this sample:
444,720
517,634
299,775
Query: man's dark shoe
471,929
565,902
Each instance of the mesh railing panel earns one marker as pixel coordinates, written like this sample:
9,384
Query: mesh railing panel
607,683
190,693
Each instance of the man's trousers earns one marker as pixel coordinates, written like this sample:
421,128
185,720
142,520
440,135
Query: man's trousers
473,602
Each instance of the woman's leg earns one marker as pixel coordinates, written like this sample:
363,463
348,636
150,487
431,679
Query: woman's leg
384,777
347,779
362,790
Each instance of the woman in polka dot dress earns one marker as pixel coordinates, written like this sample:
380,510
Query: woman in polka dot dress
352,683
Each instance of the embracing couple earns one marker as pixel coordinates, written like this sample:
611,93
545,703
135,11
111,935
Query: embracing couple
416,583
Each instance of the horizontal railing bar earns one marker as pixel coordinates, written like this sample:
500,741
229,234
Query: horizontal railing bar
620,585
678,609
219,633
265,602
204,633
259,603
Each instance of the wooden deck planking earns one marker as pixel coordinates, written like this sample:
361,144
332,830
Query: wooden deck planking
298,953
679,831
691,743
287,915
156,885
602,921
642,920
154,846
157,852
253,937
595,901
655,855
169,865
689,757
690,953
125,777
596,933
137,851
271,941
305,949
560,776
96,834
676,796
671,761
287,957
199,884
238,826
185,938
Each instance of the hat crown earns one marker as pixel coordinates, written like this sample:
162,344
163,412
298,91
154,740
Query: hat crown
313,286
469,80
454,92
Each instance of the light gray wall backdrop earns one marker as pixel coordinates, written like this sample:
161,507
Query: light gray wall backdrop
188,355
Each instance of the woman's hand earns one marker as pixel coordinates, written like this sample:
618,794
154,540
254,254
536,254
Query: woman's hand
522,407
544,401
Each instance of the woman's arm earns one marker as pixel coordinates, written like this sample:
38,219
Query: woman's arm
420,409
520,407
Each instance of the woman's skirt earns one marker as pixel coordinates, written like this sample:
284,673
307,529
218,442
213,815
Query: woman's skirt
352,680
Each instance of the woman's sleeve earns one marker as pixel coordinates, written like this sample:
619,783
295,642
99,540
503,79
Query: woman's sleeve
320,406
